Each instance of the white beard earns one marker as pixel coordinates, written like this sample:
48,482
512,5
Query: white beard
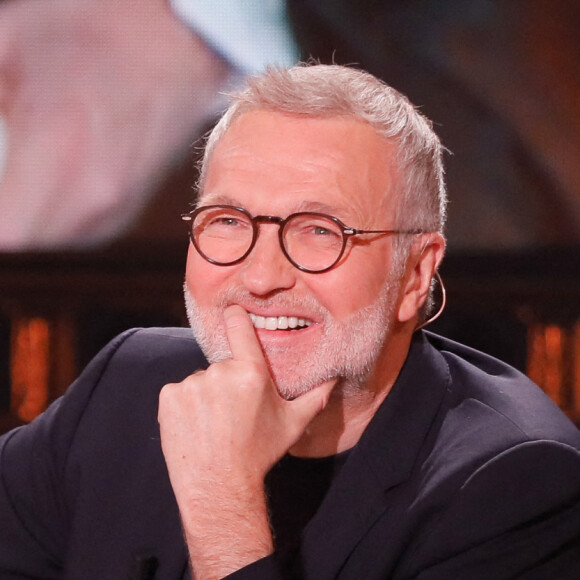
348,349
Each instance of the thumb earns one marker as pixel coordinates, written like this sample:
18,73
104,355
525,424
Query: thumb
304,408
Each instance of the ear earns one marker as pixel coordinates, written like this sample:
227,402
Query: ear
424,259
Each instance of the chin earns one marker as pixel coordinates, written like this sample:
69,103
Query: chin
291,386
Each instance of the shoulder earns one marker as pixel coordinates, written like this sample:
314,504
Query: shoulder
499,473
149,340
492,425
485,392
121,382
142,360
517,513
128,374
118,391
169,351
456,409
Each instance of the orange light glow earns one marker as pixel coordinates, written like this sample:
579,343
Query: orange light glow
546,359
30,367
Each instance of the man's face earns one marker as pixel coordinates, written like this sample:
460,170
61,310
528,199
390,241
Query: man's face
274,164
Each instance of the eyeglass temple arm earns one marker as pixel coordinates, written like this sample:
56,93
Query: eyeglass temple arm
355,232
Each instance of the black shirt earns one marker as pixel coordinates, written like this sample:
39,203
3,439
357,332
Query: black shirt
296,487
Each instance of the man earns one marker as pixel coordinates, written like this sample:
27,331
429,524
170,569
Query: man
327,437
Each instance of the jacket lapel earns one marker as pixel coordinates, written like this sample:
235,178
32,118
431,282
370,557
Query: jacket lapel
385,456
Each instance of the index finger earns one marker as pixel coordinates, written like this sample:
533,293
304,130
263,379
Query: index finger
241,335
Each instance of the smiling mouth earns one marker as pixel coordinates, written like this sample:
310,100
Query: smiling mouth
279,322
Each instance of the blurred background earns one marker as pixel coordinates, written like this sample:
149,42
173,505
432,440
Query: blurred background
102,104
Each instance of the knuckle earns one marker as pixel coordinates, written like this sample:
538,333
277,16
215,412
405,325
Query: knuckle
166,392
251,375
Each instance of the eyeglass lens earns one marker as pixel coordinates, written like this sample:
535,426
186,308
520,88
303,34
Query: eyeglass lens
224,235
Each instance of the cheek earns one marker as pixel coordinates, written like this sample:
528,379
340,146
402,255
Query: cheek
350,287
203,279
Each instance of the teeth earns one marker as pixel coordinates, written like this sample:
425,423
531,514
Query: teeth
279,322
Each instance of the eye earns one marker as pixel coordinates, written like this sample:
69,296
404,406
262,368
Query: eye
222,223
322,231
314,227
225,221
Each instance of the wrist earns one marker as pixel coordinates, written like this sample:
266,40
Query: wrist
225,532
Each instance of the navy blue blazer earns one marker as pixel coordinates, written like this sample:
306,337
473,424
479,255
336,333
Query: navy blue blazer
467,471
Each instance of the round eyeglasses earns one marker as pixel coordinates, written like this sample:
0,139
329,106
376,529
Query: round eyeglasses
312,242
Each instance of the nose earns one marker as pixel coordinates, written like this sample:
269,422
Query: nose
266,269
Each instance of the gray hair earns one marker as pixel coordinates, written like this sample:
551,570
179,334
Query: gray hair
333,91
315,90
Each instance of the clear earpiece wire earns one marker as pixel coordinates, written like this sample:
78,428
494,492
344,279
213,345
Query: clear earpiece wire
441,307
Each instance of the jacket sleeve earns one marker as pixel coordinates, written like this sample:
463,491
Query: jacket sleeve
33,510
265,569
517,516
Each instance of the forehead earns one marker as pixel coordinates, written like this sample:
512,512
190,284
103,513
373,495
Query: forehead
273,160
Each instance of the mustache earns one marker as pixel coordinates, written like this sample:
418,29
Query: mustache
283,302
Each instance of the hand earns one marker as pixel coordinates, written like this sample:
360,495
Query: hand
221,431
97,96
230,421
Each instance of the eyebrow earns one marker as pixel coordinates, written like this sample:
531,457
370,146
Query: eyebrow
215,198
304,205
